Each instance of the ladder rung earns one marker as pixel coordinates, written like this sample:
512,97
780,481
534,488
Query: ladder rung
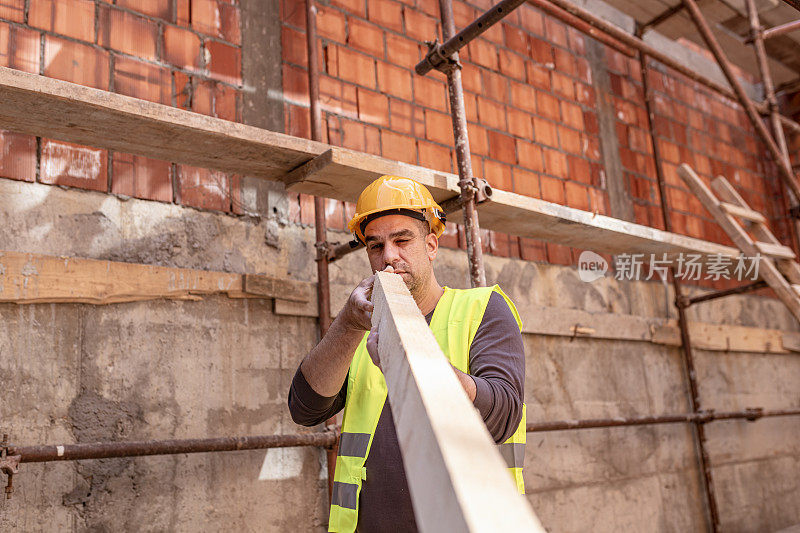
743,212
774,250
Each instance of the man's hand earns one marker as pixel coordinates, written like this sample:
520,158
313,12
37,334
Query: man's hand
357,312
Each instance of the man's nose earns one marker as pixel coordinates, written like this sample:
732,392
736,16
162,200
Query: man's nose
390,254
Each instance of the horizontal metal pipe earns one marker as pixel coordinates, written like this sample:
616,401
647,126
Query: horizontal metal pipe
727,292
105,450
780,30
699,417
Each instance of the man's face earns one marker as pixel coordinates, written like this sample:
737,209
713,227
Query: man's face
402,242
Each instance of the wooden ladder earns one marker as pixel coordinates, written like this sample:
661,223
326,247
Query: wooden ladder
778,265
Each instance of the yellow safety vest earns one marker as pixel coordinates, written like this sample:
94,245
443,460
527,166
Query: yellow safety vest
454,324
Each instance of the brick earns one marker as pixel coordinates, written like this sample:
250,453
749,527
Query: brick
73,165
183,12
523,97
19,48
430,93
353,66
398,147
538,76
203,188
541,52
224,62
529,156
226,102
13,10
142,80
580,170
435,156
478,139
520,124
502,147
483,53
17,156
182,48
555,163
366,37
353,135
406,118
547,106
419,26
498,175
463,14
577,195
386,13
471,107
570,140
585,94
334,214
515,39
154,8
449,239
526,183
565,62
72,18
293,47
552,189
355,7
203,97
395,81
330,24
531,20
220,19
141,177
494,85
336,97
372,107
404,52
563,85
512,65
545,132
532,250
74,62
438,127
556,32
491,114
128,33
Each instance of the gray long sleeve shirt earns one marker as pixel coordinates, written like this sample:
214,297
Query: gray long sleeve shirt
496,363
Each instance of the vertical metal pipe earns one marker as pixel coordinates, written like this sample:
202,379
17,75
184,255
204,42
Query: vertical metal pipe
466,180
690,374
323,279
713,45
772,103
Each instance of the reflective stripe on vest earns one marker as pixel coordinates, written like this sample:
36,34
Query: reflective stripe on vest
454,324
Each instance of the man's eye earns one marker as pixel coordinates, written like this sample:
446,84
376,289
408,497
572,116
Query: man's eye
373,247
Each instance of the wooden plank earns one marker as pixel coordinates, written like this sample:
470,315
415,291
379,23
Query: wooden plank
767,269
729,195
269,287
457,478
777,251
743,212
35,278
60,110
349,172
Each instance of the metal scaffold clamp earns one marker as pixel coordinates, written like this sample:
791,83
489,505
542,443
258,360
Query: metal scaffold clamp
9,464
437,60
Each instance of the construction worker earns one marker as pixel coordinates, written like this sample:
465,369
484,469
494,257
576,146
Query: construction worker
478,330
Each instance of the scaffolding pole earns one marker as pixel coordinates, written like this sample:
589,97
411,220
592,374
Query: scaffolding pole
320,224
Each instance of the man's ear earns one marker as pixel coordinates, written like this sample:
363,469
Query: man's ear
431,245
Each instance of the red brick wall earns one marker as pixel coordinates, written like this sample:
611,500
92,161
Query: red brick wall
184,53
528,86
531,109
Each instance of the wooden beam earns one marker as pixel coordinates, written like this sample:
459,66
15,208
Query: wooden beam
34,278
44,106
457,478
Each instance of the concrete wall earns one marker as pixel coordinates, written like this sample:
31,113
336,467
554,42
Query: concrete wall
166,369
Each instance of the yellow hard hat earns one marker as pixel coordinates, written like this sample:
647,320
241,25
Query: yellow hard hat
401,195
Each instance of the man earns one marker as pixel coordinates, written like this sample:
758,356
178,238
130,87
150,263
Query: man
477,329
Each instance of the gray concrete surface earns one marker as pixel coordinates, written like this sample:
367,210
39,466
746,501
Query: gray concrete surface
165,369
